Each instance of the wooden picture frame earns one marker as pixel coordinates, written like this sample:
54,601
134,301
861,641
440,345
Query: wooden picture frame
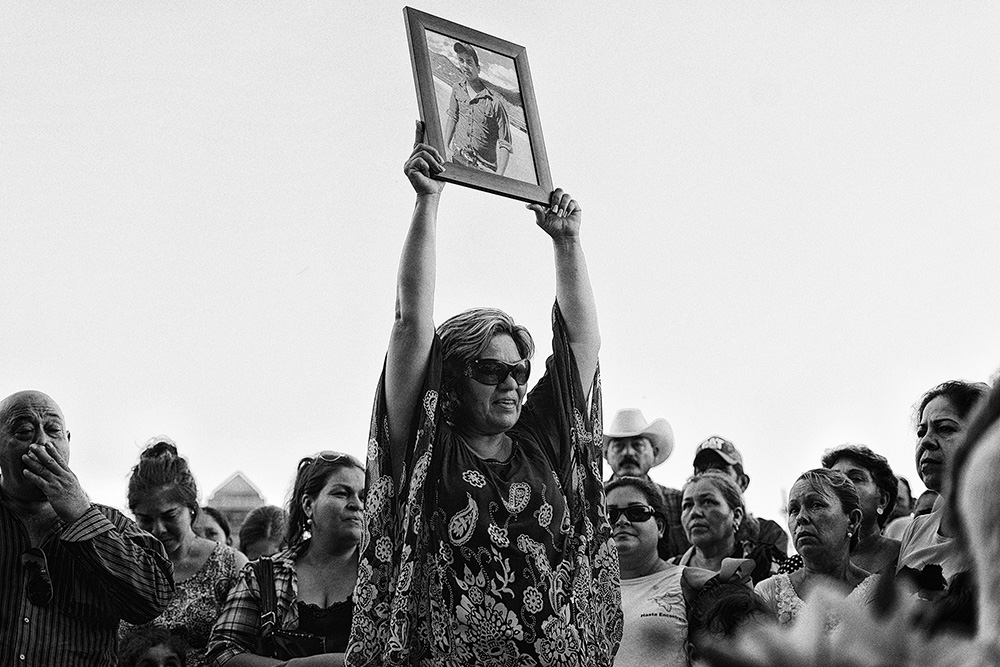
487,108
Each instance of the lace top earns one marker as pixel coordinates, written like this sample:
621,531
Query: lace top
197,602
780,595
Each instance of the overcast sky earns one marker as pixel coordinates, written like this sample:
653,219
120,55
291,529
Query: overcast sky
790,215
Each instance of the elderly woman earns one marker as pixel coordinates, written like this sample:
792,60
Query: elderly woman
163,496
877,488
655,631
295,607
824,519
487,538
716,523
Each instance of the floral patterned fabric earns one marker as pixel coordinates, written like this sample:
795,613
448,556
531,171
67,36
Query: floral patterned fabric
780,595
488,563
197,602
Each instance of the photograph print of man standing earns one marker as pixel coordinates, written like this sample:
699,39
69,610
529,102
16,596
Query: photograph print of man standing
477,130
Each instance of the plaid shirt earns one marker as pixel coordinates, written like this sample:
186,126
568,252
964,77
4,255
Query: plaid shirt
103,568
238,628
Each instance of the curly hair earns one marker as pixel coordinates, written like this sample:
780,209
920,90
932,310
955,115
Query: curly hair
160,467
876,465
732,494
837,484
463,338
310,478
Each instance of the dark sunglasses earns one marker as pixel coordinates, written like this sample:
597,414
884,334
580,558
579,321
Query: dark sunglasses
494,371
39,584
634,513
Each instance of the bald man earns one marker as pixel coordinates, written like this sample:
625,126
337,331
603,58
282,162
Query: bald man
70,570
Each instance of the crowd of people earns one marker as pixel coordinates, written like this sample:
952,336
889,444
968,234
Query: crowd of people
482,530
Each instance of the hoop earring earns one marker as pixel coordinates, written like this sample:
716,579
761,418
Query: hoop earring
878,510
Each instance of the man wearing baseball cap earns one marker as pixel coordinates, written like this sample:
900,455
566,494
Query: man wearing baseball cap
717,453
632,447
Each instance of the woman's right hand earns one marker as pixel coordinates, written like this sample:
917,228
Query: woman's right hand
424,163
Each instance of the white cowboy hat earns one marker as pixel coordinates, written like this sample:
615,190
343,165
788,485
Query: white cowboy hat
629,423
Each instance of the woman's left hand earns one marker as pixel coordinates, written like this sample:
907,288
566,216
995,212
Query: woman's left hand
561,218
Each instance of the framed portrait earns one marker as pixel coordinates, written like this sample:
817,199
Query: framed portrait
478,107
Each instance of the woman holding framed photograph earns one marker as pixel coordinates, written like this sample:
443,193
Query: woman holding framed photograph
487,540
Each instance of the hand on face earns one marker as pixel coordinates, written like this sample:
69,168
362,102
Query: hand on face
48,470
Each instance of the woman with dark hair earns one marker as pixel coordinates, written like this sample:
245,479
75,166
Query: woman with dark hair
487,537
930,559
295,607
163,496
718,526
212,524
824,519
263,531
655,623
877,487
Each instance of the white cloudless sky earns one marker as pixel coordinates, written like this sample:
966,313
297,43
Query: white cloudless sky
790,215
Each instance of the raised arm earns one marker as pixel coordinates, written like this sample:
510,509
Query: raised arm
413,328
561,220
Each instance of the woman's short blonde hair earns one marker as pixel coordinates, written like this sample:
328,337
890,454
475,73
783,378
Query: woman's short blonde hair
464,337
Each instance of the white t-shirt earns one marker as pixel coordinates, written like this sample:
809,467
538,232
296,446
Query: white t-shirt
655,633
923,545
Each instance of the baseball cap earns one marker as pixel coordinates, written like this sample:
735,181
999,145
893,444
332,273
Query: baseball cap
723,448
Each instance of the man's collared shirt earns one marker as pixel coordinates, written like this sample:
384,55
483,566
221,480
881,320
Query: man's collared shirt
102,568
482,126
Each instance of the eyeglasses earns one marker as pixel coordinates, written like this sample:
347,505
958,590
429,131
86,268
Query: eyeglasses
39,584
494,371
634,513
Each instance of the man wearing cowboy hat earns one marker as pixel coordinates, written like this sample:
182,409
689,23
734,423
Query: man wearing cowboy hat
717,453
632,447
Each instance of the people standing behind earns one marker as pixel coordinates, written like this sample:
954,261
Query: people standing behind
824,518
655,623
716,523
70,570
299,602
929,557
877,487
477,127
163,496
146,646
633,447
718,453
902,511
487,538
263,532
212,525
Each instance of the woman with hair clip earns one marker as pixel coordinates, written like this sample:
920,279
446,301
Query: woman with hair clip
294,608
487,539
163,496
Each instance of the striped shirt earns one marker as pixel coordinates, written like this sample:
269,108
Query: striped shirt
103,568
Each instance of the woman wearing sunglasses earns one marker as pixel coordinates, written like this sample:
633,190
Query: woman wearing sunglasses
656,626
295,607
488,542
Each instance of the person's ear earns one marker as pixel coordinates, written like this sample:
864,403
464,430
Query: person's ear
743,480
68,436
738,516
306,504
661,525
883,500
855,521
